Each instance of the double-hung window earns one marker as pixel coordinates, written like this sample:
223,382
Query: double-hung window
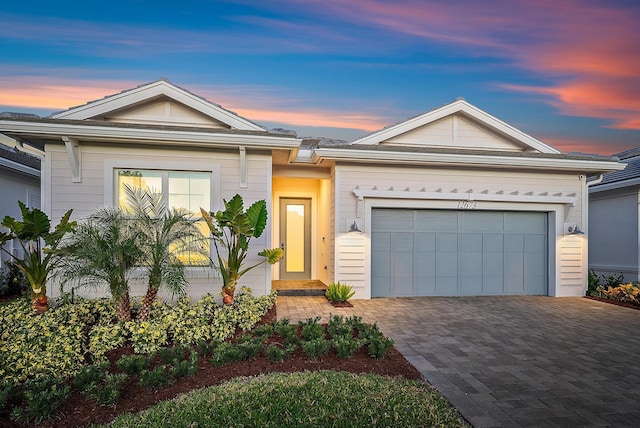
189,190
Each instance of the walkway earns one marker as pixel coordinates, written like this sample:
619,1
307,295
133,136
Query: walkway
512,361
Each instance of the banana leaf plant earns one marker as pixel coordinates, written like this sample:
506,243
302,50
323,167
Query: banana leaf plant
232,230
39,245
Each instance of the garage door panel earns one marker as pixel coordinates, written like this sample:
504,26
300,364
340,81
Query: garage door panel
425,285
402,242
447,264
402,286
392,220
424,241
447,286
449,253
471,285
519,222
447,242
493,264
382,240
479,221
493,242
431,221
534,243
424,263
493,285
472,242
513,243
471,264
380,264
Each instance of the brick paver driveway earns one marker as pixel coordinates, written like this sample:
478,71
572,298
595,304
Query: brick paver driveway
514,361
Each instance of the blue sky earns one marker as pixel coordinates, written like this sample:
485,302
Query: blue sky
565,72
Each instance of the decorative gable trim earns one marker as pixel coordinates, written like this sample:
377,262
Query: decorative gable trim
153,90
458,107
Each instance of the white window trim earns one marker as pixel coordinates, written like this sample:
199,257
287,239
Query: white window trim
110,197
112,165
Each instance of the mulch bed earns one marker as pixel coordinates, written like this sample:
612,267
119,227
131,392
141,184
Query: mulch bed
80,411
614,302
341,304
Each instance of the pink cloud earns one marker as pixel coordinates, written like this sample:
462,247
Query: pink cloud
589,50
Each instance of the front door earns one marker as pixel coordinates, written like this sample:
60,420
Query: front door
295,238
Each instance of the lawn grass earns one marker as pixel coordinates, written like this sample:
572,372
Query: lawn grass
303,399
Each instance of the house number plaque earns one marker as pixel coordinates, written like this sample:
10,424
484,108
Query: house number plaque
467,205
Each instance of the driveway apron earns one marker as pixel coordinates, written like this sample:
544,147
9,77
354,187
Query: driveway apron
513,361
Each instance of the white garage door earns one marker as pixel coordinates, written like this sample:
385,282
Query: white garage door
457,253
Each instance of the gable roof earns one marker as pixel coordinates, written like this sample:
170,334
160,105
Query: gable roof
398,133
17,161
147,93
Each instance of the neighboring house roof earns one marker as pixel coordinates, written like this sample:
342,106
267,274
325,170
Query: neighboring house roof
18,161
630,176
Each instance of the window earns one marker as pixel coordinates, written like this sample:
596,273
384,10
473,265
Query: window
180,189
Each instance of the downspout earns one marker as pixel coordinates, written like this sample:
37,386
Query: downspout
596,181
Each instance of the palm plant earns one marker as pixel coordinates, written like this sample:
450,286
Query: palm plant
168,236
39,260
232,230
105,249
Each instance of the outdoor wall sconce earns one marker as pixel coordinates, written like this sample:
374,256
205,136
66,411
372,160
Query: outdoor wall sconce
354,227
574,230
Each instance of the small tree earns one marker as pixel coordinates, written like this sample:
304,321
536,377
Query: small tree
105,249
232,230
38,260
167,236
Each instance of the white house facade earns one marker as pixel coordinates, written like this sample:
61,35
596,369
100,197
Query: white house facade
452,202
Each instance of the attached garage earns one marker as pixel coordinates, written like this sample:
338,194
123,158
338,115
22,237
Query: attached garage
421,252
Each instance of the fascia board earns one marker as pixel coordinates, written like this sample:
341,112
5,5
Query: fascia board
24,169
453,108
448,159
134,96
111,134
615,185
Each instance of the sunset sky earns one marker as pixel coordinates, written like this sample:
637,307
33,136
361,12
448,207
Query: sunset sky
565,72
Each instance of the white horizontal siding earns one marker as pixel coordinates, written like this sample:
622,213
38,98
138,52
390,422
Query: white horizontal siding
569,267
88,195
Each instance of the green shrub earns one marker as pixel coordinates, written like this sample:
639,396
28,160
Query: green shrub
347,346
379,345
226,353
104,338
205,349
311,330
155,378
316,348
250,349
7,391
133,364
184,368
147,337
337,292
262,332
337,327
107,391
42,397
287,331
167,355
89,374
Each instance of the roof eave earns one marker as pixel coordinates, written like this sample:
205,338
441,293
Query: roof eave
163,136
450,159
615,185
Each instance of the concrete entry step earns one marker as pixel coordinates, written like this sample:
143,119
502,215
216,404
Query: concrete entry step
308,287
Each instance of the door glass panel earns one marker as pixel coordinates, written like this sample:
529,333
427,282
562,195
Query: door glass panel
294,245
